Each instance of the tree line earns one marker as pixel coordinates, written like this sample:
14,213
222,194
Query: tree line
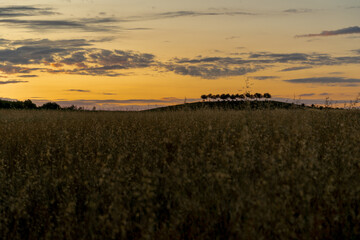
28,104
234,97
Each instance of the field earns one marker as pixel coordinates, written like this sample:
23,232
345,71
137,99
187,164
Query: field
208,174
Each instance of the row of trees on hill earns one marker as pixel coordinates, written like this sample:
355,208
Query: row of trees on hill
28,104
234,97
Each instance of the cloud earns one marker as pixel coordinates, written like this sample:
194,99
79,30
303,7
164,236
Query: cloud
138,28
69,43
215,67
27,76
11,82
313,59
177,14
86,24
81,57
264,77
221,60
74,54
22,11
324,94
346,60
30,54
325,80
211,67
78,90
298,10
295,68
356,51
210,71
343,31
307,94
101,62
282,58
232,37
10,69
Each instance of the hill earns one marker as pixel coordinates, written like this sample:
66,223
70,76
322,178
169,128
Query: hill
231,105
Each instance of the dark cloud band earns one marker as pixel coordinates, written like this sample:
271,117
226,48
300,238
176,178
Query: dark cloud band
343,31
22,11
11,82
325,80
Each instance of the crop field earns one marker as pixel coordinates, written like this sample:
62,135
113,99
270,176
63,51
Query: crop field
207,174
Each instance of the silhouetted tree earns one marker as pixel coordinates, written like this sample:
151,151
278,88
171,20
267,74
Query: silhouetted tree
258,95
5,104
204,97
249,95
51,106
28,104
71,108
223,97
267,95
233,97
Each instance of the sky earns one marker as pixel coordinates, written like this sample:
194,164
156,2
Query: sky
136,54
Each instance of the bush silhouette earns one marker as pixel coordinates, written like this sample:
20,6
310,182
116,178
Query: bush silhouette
28,104
51,106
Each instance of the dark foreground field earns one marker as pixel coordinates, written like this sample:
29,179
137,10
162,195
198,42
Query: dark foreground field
210,174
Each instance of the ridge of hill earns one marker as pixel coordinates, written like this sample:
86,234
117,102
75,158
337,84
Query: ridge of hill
232,105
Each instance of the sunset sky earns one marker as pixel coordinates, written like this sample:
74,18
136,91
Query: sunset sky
131,54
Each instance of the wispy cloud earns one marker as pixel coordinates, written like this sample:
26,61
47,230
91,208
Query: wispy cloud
27,76
78,90
178,14
307,95
325,80
298,10
295,68
21,11
13,16
343,31
11,82
313,59
282,57
264,77
86,24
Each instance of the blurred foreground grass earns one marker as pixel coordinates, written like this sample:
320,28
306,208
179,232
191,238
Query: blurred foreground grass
267,174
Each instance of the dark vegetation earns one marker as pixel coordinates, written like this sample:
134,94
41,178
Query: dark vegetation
207,174
28,104
233,105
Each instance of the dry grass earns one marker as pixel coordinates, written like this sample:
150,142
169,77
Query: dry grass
281,174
